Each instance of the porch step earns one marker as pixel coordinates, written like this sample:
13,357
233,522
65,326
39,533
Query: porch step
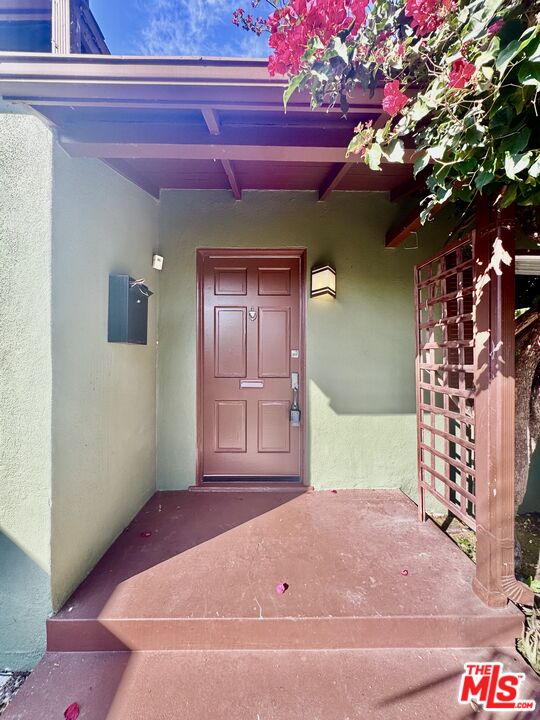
286,633
249,685
198,571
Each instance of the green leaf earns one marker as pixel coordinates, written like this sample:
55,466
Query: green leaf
514,164
437,152
395,151
488,56
516,142
373,157
513,49
293,85
509,196
420,163
341,49
483,178
529,74
534,170
534,56
419,110
506,55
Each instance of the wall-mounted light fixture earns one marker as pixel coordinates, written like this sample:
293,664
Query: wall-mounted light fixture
323,281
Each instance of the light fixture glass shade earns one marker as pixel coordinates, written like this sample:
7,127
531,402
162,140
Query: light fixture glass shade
323,281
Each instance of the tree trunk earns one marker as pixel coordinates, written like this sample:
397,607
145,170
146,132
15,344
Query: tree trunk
527,396
527,401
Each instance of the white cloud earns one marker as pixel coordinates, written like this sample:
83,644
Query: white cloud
194,28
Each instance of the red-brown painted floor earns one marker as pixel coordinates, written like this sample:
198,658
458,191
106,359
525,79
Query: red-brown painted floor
206,578
258,685
195,603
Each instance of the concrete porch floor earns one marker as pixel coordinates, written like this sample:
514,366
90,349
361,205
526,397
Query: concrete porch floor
350,632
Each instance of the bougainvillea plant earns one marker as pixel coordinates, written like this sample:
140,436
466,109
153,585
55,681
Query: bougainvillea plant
460,84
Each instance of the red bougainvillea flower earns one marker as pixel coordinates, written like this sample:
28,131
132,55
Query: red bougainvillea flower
461,73
72,712
494,28
427,15
394,100
292,27
281,588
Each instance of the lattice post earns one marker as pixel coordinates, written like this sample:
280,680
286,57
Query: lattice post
495,581
444,390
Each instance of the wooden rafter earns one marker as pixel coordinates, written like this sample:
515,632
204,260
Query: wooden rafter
400,232
333,179
336,175
132,174
408,224
232,178
211,118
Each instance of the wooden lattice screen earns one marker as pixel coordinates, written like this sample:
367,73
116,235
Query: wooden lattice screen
444,289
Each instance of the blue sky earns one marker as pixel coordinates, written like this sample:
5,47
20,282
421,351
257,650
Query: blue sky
176,27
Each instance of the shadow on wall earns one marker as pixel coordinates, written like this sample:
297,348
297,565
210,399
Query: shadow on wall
361,345
360,449
25,603
370,369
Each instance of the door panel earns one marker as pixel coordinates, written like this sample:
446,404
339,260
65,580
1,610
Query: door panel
230,342
274,342
230,281
274,426
230,426
250,342
274,281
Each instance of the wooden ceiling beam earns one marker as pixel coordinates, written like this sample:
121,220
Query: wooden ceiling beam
410,223
400,232
211,118
209,151
333,179
232,178
240,106
196,134
134,176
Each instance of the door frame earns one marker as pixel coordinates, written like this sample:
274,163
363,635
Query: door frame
285,252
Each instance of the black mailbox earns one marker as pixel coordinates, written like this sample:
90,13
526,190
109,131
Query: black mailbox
128,310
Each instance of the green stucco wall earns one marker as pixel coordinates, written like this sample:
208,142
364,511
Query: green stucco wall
78,420
25,387
360,347
104,394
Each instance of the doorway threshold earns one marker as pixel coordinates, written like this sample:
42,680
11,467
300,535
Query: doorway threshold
243,487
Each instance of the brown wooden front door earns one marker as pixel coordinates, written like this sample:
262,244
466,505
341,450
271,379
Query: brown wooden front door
250,348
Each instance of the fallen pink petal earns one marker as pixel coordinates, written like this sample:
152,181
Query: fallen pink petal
72,712
405,572
334,491
281,588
